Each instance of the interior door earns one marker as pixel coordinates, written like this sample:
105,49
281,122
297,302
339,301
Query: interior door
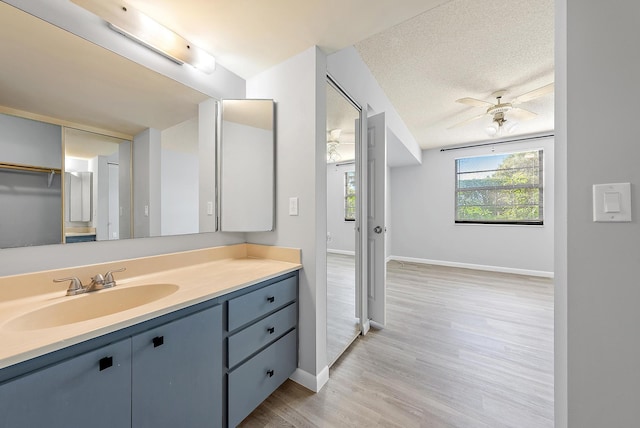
376,228
114,201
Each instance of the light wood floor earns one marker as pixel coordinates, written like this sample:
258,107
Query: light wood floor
342,324
462,348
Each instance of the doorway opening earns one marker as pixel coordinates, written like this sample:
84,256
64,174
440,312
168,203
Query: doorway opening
343,143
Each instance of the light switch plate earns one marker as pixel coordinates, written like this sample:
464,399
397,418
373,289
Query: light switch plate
293,206
612,202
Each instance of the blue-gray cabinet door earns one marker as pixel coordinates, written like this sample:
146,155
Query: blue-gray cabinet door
91,390
177,373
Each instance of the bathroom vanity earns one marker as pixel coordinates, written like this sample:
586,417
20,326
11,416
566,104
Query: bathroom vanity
203,355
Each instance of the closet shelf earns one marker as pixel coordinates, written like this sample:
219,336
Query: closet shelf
31,168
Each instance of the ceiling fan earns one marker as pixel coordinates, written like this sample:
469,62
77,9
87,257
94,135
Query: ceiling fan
333,141
499,109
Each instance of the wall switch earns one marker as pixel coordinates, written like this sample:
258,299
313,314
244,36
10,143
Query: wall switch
209,208
146,210
612,202
293,206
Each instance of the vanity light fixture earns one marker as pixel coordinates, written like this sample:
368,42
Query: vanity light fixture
137,26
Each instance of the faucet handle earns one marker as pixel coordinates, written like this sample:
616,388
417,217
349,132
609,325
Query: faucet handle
75,286
108,277
98,279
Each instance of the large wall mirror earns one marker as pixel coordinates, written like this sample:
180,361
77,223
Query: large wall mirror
247,165
97,196
100,102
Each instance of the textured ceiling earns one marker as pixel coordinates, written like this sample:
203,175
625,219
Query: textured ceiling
465,48
249,36
425,54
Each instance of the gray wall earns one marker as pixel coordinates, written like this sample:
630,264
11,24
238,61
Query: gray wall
298,88
597,315
423,211
30,142
30,210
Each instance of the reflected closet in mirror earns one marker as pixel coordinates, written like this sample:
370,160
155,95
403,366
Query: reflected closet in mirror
97,196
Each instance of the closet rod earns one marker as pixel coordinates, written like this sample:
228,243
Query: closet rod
29,168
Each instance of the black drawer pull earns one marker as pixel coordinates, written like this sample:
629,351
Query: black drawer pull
270,373
105,363
271,330
157,341
271,299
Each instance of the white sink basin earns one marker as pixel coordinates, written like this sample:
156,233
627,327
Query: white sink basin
91,305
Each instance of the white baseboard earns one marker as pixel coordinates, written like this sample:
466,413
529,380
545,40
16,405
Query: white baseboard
343,252
309,381
539,273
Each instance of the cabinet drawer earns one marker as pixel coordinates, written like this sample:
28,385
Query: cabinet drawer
247,341
257,303
252,382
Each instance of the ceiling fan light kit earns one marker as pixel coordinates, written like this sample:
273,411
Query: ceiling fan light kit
498,110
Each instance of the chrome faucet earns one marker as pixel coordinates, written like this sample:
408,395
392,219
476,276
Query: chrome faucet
98,282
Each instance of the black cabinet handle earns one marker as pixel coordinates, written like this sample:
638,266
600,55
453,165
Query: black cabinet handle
271,299
158,341
270,373
105,363
271,330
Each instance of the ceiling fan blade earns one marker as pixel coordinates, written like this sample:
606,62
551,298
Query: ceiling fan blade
464,122
546,89
524,114
474,102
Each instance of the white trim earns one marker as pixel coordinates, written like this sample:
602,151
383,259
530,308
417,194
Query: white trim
309,381
502,269
343,252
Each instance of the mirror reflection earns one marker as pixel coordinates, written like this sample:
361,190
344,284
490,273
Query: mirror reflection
247,166
62,80
97,197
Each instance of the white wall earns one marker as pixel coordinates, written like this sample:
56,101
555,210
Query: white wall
207,164
298,87
179,200
179,179
341,234
246,189
423,208
598,293
146,175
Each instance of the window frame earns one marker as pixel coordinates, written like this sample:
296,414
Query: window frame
518,222
347,195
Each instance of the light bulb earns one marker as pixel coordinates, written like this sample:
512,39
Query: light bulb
492,129
511,126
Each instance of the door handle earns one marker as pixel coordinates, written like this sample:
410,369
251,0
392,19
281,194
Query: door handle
377,229
105,363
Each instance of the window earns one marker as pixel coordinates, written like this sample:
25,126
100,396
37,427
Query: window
500,189
350,196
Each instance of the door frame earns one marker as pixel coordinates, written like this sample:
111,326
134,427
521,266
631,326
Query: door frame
361,207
